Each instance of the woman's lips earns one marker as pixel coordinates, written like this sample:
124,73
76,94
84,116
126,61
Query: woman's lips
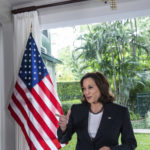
89,97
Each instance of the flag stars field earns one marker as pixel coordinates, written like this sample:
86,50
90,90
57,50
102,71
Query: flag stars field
29,58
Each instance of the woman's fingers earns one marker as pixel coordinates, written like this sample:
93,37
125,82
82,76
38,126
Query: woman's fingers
104,148
63,120
64,117
58,115
68,114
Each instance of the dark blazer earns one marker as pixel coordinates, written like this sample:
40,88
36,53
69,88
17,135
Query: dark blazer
115,120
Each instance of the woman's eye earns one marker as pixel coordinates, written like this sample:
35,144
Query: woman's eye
90,87
83,89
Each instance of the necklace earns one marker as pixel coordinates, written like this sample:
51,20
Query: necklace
102,108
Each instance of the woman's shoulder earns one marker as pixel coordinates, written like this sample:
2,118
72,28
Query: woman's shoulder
80,107
117,107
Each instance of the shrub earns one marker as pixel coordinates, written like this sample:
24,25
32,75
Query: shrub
68,90
134,116
66,107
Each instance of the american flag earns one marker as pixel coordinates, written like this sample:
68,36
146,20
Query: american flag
34,101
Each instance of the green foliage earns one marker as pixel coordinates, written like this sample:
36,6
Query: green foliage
66,105
142,142
134,116
64,71
140,124
148,118
140,87
120,50
143,103
74,101
72,143
68,90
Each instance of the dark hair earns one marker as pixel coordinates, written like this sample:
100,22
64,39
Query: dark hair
102,84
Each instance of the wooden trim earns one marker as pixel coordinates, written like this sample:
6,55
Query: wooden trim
32,8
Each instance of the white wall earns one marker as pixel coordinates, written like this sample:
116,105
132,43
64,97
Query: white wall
6,87
1,83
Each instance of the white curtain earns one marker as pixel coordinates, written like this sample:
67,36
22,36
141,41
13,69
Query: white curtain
22,28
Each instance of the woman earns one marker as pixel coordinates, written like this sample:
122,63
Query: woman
98,121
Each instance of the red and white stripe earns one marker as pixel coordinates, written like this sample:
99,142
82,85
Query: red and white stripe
34,110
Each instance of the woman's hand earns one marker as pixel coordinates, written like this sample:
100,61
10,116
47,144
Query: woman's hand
104,148
63,120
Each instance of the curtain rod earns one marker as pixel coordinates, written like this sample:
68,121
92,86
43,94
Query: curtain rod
32,8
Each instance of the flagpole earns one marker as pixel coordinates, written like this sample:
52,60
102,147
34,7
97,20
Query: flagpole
31,28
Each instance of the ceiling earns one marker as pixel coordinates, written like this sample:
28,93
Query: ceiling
7,5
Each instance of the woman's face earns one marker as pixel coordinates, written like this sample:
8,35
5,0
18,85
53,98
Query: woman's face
90,90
